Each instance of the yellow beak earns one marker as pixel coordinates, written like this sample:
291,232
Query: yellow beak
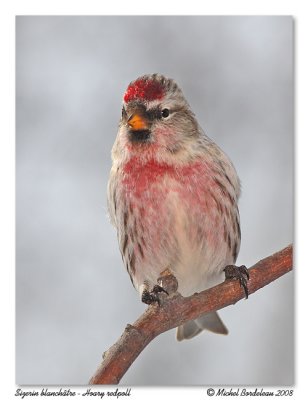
138,123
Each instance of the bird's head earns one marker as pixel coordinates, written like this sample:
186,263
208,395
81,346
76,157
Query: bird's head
155,117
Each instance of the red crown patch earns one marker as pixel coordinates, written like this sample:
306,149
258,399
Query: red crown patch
143,89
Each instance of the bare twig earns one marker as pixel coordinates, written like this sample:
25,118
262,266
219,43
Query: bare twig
175,310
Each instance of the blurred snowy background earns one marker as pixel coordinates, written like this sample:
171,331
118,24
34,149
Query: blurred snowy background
74,297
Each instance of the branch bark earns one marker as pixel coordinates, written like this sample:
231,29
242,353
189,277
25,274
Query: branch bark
175,310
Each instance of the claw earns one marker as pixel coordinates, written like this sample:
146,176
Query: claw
158,289
238,273
244,270
150,297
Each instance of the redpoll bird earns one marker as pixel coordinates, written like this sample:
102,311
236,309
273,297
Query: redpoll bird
172,195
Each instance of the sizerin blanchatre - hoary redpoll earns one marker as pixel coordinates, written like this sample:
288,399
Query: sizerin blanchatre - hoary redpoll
172,196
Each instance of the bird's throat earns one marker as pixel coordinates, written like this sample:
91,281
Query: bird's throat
139,136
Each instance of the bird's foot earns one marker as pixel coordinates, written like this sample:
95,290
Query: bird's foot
150,297
238,273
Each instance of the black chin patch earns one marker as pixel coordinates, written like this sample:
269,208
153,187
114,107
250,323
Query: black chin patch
139,136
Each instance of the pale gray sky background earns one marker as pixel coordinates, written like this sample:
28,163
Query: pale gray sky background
74,296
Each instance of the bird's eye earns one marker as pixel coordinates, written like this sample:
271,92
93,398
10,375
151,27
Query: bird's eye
165,113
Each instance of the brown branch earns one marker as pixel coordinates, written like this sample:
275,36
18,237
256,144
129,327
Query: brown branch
175,310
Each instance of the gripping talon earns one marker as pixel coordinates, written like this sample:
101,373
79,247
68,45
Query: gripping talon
244,284
150,297
244,270
158,289
238,273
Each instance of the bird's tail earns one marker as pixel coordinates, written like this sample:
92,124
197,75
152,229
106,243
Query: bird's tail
210,322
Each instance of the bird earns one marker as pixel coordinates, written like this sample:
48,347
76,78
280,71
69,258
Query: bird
173,197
